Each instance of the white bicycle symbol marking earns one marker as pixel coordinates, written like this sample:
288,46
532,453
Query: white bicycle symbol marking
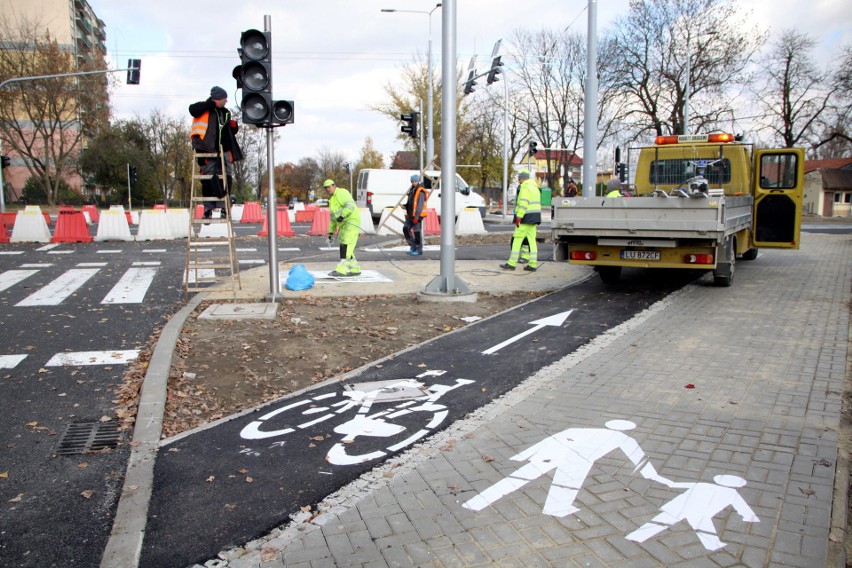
377,425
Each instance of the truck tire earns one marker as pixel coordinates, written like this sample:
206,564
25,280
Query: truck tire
750,254
609,274
724,273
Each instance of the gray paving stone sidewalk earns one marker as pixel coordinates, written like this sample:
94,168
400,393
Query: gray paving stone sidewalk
743,382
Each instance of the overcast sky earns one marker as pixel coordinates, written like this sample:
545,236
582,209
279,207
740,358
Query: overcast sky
333,58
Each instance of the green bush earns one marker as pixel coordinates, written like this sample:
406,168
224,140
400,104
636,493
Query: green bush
33,194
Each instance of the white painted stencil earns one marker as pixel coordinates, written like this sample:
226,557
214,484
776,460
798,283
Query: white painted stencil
572,453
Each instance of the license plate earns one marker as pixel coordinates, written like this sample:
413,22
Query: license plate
640,255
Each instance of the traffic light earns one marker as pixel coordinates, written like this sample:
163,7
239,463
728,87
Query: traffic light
134,67
255,78
496,64
410,126
621,167
533,147
468,86
346,167
282,112
131,172
4,161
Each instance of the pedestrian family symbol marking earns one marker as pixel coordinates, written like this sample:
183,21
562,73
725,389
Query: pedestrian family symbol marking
573,452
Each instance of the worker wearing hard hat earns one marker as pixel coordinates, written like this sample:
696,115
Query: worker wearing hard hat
613,187
527,219
345,222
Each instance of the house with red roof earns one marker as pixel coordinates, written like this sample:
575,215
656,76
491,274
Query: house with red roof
828,187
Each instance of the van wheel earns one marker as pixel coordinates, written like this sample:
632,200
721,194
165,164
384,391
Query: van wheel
609,274
750,254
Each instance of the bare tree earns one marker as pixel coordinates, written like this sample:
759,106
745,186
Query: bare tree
44,121
796,93
168,153
331,166
658,40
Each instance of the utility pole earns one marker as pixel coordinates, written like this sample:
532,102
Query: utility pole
590,107
447,286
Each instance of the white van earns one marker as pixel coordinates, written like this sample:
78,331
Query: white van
380,189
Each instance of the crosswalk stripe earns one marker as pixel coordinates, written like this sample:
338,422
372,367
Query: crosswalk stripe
132,286
54,293
47,247
93,358
91,264
10,361
37,265
10,252
12,277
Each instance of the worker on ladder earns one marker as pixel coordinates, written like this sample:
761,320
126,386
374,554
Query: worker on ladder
214,132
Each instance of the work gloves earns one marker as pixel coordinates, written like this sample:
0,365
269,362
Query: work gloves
517,221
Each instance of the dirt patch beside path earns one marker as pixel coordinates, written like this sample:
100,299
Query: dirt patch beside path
222,366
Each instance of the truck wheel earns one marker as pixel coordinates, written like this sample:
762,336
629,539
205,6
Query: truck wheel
725,276
609,274
750,254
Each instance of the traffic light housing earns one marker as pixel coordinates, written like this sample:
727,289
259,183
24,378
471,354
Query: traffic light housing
410,123
282,112
131,173
470,83
4,161
496,64
621,167
533,148
255,78
134,68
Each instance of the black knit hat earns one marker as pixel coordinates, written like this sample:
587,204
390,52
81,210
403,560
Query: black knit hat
218,93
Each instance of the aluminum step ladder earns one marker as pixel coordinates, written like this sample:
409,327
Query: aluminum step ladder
210,260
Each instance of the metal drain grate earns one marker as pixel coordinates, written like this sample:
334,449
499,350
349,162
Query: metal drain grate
87,437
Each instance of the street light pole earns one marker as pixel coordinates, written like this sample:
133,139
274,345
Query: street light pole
686,88
430,139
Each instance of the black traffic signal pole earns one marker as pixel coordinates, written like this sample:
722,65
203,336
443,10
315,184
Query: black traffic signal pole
133,66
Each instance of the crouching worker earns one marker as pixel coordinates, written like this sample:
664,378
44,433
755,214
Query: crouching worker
527,219
345,222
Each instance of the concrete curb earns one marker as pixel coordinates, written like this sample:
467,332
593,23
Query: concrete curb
124,547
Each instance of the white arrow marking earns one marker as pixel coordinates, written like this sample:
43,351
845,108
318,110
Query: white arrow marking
555,320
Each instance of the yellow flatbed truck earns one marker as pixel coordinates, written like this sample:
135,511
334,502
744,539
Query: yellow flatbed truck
700,202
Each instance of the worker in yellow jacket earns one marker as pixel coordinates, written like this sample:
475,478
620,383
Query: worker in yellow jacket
527,219
345,222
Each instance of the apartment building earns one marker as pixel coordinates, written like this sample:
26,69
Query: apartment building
77,30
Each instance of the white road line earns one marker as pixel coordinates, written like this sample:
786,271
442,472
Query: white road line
110,251
152,263
60,252
10,361
204,275
246,250
91,264
93,358
153,250
132,287
252,261
37,265
10,252
54,293
12,277
47,247
290,249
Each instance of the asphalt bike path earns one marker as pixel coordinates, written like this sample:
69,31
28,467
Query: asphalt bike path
226,484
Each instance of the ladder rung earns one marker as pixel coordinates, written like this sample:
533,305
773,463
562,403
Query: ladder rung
203,266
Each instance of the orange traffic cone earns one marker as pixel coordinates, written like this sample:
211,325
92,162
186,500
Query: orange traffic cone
4,233
93,213
71,228
431,226
252,213
321,222
282,225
